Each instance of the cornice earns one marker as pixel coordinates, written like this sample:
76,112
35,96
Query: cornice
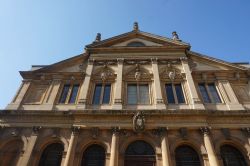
137,49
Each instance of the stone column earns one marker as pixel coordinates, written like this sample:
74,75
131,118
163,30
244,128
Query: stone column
24,160
165,152
209,147
15,104
118,85
159,103
114,147
85,86
195,100
71,149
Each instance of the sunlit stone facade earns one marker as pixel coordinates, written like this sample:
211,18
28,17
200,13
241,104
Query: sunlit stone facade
133,99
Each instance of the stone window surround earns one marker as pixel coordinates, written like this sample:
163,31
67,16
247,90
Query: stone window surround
217,89
92,91
182,83
71,83
150,86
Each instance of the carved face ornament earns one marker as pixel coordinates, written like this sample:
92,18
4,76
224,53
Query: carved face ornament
139,122
171,75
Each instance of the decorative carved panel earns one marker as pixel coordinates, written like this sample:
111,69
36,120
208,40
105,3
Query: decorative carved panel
36,93
242,93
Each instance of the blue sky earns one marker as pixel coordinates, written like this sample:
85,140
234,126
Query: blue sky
43,31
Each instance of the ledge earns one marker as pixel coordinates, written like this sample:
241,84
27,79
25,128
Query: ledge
125,112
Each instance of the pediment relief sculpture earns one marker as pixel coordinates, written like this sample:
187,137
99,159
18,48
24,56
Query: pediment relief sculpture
138,73
172,73
104,73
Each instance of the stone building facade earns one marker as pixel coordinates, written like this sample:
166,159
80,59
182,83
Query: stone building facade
136,99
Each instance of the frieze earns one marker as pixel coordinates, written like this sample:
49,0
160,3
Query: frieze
105,62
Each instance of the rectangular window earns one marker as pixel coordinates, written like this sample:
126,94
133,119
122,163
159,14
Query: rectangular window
132,94
144,94
69,93
97,94
214,94
209,93
174,93
74,93
138,94
179,93
106,94
170,93
64,93
102,94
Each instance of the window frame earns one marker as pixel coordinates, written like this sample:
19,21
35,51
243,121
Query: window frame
138,92
69,94
102,93
211,98
174,92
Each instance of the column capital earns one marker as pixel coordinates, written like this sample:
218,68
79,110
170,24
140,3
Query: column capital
120,61
115,130
246,131
205,130
154,60
91,61
75,129
184,59
160,131
36,129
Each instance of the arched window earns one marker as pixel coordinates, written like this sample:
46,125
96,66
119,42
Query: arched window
94,155
139,153
232,156
186,156
136,44
52,155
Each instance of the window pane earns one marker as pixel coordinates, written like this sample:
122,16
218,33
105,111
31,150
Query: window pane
64,93
132,94
97,94
186,156
179,93
106,95
74,92
170,94
204,93
144,94
232,156
215,96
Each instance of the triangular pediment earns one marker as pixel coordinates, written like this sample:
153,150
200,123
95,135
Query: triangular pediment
200,62
76,64
148,40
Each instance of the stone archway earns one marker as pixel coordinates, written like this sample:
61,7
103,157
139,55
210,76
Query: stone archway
10,152
94,155
232,156
139,153
52,155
